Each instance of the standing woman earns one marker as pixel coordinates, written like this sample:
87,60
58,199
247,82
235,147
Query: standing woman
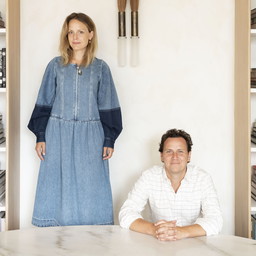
76,120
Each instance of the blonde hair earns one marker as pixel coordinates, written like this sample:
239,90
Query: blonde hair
66,51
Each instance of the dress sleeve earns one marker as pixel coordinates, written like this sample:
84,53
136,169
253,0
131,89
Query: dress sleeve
211,220
135,203
109,108
44,102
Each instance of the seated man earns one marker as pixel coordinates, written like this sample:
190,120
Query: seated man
181,196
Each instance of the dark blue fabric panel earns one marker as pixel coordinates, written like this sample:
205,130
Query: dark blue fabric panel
39,120
112,125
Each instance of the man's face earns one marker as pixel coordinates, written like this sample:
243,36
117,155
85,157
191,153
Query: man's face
175,156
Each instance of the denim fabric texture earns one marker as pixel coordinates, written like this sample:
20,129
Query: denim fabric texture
76,115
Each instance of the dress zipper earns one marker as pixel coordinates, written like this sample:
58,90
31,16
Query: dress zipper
76,92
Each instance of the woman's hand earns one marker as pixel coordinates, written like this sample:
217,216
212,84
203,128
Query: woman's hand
40,149
107,153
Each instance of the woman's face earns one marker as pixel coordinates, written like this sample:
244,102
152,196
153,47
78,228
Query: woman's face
78,35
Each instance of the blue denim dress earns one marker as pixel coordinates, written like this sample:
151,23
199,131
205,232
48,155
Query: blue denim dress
77,113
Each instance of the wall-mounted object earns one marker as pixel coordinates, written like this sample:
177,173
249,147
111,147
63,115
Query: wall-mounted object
134,32
121,33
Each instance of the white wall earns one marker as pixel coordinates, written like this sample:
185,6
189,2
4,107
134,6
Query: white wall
185,80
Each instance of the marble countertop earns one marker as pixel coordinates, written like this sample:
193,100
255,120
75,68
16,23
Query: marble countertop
113,240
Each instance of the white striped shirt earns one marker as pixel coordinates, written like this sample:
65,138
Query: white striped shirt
195,202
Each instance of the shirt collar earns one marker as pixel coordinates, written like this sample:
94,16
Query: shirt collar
189,177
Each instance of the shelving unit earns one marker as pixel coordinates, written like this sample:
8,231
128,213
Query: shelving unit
9,151
253,100
13,119
245,99
253,117
3,111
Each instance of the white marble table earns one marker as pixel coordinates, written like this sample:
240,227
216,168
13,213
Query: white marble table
112,240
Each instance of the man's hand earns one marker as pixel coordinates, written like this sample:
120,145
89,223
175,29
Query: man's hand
40,150
107,153
169,231
166,230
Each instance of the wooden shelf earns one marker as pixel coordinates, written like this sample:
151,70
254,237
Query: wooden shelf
253,148
253,206
2,206
3,147
12,128
2,31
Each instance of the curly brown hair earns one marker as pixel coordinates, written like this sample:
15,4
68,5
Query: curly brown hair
175,133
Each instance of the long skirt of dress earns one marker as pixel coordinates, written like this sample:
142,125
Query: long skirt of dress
73,183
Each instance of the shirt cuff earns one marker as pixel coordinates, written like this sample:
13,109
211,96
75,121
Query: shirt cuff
127,219
211,226
40,137
108,142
